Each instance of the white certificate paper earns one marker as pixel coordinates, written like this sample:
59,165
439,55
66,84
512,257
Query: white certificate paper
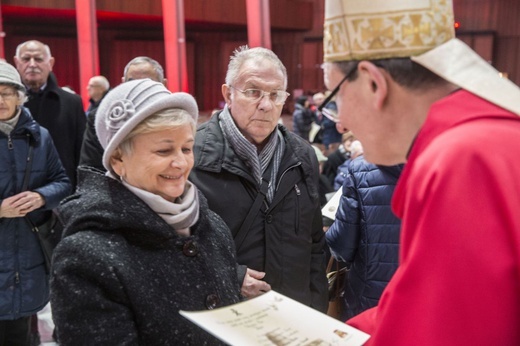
274,319
329,209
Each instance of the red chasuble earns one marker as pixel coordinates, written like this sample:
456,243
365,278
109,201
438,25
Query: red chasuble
459,200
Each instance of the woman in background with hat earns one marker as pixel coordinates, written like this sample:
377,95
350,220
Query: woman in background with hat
32,182
140,243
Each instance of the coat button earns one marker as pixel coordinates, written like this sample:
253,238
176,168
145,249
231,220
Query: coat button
212,301
190,249
269,218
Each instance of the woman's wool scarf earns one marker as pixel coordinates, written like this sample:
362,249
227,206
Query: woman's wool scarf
6,126
181,214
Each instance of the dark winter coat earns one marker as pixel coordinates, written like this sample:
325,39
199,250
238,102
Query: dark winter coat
91,150
365,233
24,287
341,175
330,133
303,118
334,161
121,273
285,240
62,114
94,105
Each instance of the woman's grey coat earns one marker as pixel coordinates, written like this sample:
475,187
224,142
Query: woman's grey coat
121,273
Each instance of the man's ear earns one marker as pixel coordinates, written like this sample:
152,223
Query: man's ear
226,93
378,82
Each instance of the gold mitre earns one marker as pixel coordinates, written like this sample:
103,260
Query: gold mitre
378,29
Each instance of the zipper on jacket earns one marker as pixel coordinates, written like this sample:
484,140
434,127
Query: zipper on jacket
287,170
16,278
9,142
297,221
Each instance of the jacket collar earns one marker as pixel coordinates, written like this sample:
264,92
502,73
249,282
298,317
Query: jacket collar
27,125
52,84
457,108
216,154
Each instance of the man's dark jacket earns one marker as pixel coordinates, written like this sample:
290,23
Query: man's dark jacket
62,114
91,150
285,240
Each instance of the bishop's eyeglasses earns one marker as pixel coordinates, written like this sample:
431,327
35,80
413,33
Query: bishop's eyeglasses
336,89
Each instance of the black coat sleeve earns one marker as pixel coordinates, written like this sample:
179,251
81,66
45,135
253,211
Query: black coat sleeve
91,150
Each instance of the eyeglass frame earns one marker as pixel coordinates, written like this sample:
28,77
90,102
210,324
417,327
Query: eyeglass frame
8,96
336,89
264,93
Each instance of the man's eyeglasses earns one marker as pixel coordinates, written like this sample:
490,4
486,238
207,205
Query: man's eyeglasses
7,95
336,89
278,97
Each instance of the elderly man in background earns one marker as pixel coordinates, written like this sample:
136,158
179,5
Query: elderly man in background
97,89
52,107
413,93
140,67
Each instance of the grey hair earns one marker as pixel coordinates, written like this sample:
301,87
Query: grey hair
244,53
22,96
146,60
162,120
45,47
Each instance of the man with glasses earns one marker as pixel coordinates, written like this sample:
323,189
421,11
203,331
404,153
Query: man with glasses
411,92
263,181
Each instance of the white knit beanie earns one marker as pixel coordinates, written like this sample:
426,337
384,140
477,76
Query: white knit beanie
10,76
128,104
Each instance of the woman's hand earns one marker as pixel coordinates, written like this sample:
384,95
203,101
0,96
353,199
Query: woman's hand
21,204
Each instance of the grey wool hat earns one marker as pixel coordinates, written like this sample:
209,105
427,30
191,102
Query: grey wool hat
9,75
128,104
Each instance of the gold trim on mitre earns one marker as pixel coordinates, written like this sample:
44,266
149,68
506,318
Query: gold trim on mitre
378,29
459,64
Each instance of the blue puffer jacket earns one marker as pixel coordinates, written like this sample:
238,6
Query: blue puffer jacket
365,233
341,175
24,287
302,121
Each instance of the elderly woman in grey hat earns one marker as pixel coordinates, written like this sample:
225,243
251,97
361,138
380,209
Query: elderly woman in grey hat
140,243
32,182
